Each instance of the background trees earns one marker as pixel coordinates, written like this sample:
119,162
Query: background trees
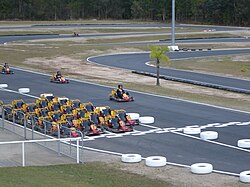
225,12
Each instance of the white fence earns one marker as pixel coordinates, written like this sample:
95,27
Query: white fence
5,146
68,146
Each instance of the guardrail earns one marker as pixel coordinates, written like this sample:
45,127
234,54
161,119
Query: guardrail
23,143
198,83
26,129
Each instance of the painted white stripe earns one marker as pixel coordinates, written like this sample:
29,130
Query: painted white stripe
213,142
149,126
190,71
149,94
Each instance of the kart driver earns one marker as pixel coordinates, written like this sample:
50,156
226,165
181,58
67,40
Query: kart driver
58,75
121,93
5,67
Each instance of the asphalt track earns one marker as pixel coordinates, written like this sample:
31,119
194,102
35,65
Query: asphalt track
137,62
129,25
155,139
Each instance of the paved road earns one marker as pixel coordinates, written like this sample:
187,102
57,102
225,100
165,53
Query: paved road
137,62
167,112
143,25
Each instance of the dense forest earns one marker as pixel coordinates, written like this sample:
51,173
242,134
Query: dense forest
221,12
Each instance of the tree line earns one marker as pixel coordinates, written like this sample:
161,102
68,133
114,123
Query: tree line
221,12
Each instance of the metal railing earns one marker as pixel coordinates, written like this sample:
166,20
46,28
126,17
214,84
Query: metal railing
23,144
28,129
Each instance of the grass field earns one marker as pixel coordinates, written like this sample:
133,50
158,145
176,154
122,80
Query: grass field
87,175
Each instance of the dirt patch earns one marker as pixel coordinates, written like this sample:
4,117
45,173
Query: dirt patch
176,176
76,67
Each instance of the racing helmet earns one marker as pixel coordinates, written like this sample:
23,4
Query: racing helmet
58,72
120,86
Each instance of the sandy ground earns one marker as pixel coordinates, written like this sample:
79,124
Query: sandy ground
94,72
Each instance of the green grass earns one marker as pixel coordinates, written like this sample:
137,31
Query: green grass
155,37
234,65
87,175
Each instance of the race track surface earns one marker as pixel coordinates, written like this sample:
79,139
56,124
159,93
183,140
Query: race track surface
137,61
154,139
164,137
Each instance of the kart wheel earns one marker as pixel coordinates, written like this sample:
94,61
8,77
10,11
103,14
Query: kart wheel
209,135
156,161
244,143
131,158
245,176
201,168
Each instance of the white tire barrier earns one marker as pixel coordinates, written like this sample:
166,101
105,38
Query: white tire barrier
3,85
23,90
244,143
201,168
192,130
134,116
245,176
156,161
147,120
209,135
131,158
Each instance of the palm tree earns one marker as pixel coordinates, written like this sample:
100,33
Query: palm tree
158,53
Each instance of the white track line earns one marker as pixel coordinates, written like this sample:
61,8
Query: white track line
213,142
13,91
167,97
144,93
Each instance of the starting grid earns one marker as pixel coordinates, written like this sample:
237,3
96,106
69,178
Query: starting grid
157,130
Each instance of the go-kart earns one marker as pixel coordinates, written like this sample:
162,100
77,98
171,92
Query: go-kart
126,118
7,71
59,80
116,125
90,128
125,98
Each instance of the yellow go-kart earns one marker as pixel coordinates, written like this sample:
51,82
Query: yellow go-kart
125,97
60,80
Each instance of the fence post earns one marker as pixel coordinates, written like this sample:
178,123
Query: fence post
70,141
3,116
13,121
77,151
45,126
25,126
59,142
32,126
23,155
